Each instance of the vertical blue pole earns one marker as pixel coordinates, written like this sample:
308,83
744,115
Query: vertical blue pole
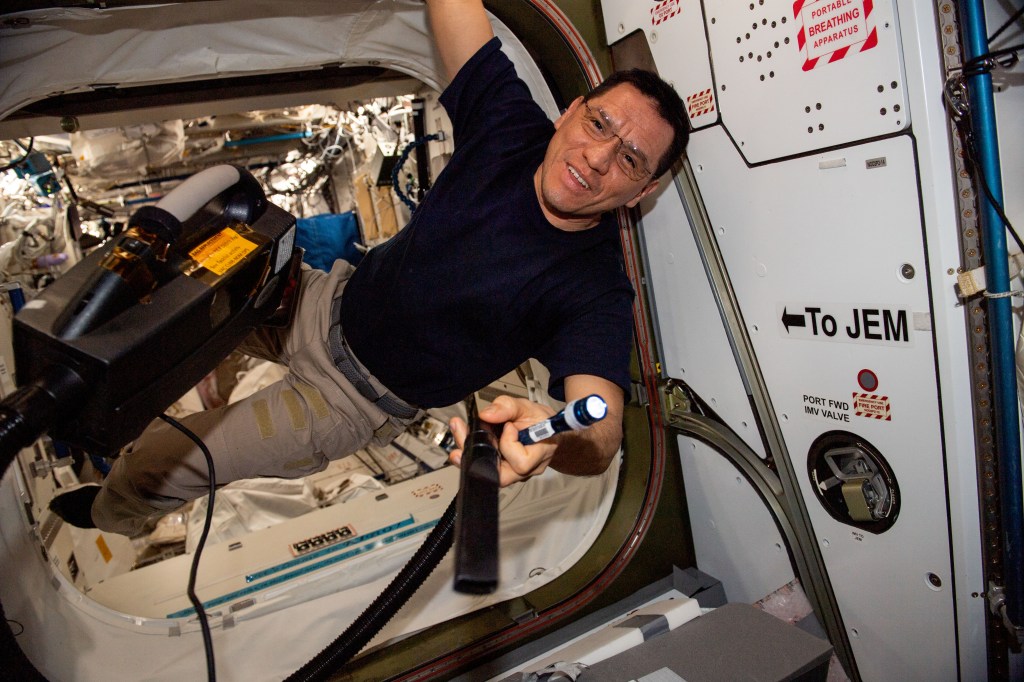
1000,320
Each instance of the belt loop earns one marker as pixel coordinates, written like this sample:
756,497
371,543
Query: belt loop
336,311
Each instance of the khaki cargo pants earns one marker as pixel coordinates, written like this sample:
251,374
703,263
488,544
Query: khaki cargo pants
289,429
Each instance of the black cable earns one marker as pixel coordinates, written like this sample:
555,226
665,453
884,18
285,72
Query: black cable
983,63
993,54
211,672
28,151
956,100
972,153
402,158
385,606
11,621
1013,17
971,157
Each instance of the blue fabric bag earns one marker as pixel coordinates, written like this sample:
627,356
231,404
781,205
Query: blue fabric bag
328,237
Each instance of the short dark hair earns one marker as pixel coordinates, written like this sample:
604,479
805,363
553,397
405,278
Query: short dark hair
667,103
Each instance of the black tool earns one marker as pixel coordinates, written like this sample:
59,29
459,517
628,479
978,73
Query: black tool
476,520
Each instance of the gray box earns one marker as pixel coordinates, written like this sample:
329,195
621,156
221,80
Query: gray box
733,642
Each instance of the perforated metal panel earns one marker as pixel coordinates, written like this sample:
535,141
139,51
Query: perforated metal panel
793,77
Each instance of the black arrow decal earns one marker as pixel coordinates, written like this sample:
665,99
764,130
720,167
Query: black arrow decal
792,320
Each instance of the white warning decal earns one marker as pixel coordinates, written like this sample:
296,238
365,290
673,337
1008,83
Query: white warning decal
700,103
872,406
664,11
833,28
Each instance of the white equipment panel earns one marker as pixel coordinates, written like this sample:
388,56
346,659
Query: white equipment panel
726,535
853,273
675,32
824,216
789,77
688,321
340,541
794,77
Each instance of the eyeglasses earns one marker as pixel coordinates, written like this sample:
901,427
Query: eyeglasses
631,160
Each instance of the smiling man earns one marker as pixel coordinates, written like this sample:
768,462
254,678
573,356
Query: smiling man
576,183
513,254
606,150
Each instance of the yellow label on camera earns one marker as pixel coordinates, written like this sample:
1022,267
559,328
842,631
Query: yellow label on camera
221,252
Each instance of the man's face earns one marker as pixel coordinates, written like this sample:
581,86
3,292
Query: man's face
582,176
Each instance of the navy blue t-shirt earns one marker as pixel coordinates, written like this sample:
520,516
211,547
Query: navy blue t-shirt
479,281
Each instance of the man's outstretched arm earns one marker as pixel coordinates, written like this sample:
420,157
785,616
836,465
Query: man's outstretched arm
460,28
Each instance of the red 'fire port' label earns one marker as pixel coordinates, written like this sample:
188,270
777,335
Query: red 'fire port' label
664,11
700,103
833,28
872,406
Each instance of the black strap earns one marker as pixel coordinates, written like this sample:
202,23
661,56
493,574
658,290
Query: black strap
342,356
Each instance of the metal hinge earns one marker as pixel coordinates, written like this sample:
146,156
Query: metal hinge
675,402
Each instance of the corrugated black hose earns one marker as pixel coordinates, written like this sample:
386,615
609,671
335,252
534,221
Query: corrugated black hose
385,606
478,488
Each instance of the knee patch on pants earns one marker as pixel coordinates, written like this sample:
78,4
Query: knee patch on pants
299,404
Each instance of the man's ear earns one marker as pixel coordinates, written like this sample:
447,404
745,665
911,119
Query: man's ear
568,112
648,188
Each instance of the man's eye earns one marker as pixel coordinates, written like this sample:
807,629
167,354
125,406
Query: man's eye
628,159
598,126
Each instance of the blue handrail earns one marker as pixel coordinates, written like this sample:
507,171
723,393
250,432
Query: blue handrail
1000,320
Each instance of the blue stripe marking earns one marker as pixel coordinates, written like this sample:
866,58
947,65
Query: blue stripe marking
252,577
312,567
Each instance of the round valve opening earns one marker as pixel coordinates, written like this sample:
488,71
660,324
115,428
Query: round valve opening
853,481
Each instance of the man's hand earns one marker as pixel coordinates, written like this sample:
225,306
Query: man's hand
578,453
517,463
